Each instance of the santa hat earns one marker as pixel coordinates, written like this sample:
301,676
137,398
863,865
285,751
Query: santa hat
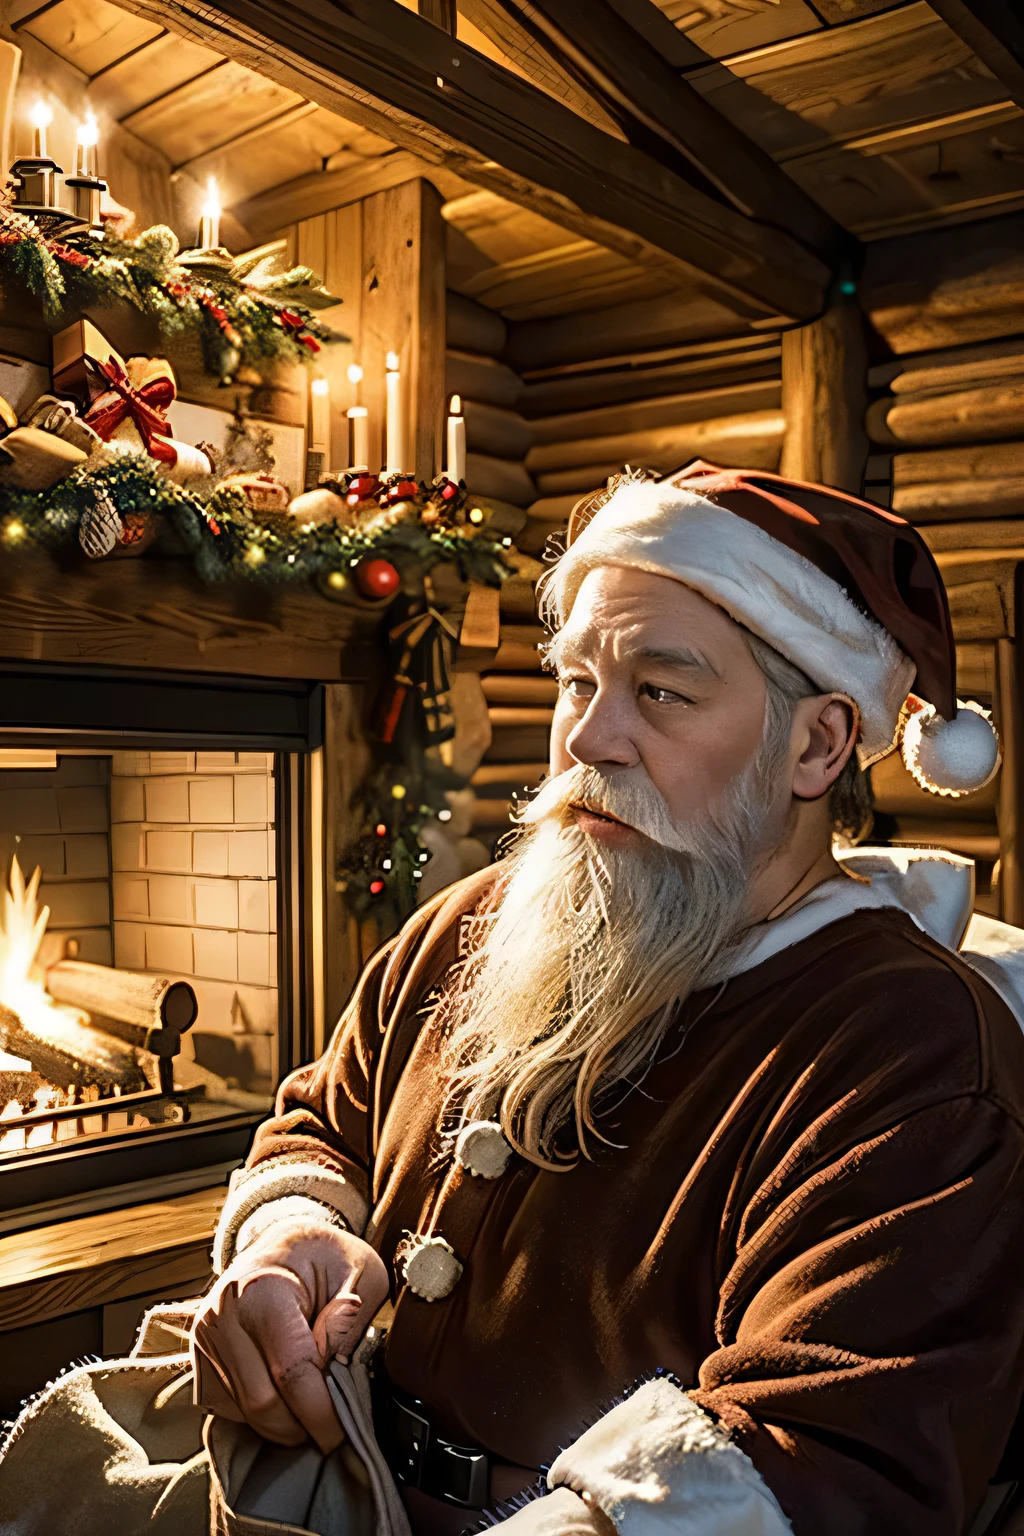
847,592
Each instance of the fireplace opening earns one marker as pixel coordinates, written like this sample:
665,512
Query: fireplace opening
154,955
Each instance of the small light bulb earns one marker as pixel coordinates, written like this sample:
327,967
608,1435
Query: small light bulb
355,373
398,791
385,864
423,857
444,815
337,579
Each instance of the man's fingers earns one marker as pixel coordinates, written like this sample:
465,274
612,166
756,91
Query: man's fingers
240,1362
271,1311
334,1327
210,1392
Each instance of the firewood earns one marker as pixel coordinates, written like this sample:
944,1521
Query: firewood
472,328
752,440
69,1054
147,1002
492,429
481,378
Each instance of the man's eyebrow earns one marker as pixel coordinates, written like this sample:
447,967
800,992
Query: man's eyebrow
565,649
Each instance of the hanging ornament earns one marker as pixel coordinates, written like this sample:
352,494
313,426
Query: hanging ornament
377,578
100,526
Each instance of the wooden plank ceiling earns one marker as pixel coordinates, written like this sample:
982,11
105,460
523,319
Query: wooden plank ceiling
878,110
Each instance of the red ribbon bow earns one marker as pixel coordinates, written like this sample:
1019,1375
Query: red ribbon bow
144,404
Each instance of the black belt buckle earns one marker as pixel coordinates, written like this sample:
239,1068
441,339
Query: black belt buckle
410,1435
460,1474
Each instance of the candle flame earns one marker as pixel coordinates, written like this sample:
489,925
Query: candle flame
355,373
356,410
319,386
392,362
41,115
211,208
455,408
89,131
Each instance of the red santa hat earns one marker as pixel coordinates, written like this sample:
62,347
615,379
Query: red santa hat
847,592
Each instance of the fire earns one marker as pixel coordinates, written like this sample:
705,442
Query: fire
21,990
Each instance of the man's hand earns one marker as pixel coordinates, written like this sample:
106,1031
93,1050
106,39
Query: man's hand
299,1296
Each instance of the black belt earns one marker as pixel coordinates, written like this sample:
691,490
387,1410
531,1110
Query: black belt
421,1458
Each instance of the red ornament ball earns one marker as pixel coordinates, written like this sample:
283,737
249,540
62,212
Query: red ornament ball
376,886
377,578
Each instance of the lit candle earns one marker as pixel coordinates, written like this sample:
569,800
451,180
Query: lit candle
456,469
88,138
355,377
395,454
359,437
42,117
209,217
320,420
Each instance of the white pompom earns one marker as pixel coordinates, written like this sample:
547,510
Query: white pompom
951,757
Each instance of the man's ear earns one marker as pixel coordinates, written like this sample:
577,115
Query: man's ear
825,729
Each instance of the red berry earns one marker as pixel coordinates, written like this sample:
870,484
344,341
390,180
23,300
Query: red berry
377,578
376,886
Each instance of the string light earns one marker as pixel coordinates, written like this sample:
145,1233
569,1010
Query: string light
476,515
444,815
14,531
381,829
254,555
337,580
398,791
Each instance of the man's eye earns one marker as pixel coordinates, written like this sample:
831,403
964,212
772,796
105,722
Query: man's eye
661,695
577,687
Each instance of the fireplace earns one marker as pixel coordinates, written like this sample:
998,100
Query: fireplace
160,852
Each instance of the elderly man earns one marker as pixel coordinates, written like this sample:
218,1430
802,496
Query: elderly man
693,1165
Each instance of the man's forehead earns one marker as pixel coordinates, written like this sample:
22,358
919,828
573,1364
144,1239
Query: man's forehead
627,641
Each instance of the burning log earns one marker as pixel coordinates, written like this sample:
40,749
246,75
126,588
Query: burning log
146,1003
69,1053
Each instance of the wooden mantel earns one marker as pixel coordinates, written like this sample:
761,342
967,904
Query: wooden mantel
156,613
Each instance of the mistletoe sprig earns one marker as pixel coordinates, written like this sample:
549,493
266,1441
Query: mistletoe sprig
227,544
244,311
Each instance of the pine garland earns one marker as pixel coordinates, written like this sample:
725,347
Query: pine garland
244,313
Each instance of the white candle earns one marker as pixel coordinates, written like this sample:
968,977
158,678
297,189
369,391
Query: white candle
209,217
359,437
88,138
395,452
456,469
42,117
320,420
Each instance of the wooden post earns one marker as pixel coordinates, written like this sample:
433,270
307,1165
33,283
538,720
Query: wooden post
824,396
1010,809
346,755
403,311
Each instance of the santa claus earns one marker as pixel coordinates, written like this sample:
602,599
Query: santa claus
692,1162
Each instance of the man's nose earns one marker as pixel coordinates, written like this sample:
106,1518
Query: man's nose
602,738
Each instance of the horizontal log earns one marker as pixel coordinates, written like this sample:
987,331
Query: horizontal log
552,509
472,328
582,480
518,598
304,197
518,744
509,688
494,430
506,716
750,441
967,367
508,481
1002,533
977,612
491,775
502,517
475,377
146,1002
979,461
663,411
510,657
683,316
958,500
897,793
639,375
957,837
947,288
534,536
968,416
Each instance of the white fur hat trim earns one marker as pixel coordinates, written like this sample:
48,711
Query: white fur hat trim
951,757
761,583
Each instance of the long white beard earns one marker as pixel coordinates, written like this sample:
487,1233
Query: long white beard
577,968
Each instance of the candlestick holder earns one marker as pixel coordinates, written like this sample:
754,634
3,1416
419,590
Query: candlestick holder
87,191
34,178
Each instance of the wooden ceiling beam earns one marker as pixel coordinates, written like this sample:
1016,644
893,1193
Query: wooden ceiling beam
659,111
994,29
380,65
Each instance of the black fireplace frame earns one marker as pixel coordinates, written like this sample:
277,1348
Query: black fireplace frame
118,708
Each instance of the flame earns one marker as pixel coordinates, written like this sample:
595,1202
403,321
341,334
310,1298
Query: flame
392,361
41,115
89,131
211,208
22,926
355,373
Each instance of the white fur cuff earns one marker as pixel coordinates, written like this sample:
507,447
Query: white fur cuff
251,1188
289,1208
657,1465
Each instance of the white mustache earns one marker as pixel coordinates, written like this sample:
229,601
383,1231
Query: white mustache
629,796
